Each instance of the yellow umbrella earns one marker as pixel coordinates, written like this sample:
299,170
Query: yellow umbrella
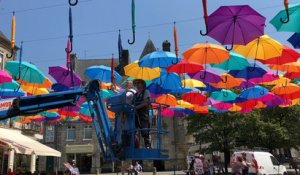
135,71
192,83
263,47
34,90
167,99
235,108
228,81
182,103
288,67
46,84
280,80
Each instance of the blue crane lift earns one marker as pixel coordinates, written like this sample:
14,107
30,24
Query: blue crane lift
116,141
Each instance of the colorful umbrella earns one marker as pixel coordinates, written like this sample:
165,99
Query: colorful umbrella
9,85
282,89
168,80
28,72
132,22
185,67
6,93
192,83
238,24
228,81
63,76
288,67
235,62
181,90
4,77
155,89
46,83
267,77
176,112
288,55
248,72
295,40
281,80
223,95
206,53
288,22
185,104
207,76
59,87
194,97
292,75
263,47
167,99
135,71
253,92
201,109
161,59
34,90
102,73
271,99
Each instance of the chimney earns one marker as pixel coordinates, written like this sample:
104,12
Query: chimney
123,62
166,45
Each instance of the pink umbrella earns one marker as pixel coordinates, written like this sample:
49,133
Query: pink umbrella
176,112
271,99
219,105
268,77
4,77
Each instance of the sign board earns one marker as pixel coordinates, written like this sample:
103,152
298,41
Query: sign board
6,104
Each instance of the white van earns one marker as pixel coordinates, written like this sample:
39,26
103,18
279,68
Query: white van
262,163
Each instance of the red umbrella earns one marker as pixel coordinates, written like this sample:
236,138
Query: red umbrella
194,97
288,55
292,75
185,67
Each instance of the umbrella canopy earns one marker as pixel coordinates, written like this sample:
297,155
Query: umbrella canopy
228,81
282,89
201,109
34,90
185,67
291,75
262,48
292,24
185,104
167,99
192,83
206,76
161,59
59,87
6,93
223,95
4,77
63,76
295,40
281,80
28,72
194,97
102,73
155,89
253,92
135,71
9,85
46,83
176,112
288,55
271,99
248,72
235,62
237,24
288,67
268,77
182,90
168,80
206,53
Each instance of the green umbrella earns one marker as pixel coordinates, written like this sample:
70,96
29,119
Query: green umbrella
9,85
235,62
288,20
223,95
28,72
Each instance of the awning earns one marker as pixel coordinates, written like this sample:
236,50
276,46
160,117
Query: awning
25,145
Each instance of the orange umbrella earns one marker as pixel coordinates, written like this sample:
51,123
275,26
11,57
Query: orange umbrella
167,99
206,53
282,89
235,108
228,81
34,90
288,67
200,109
46,84
280,80
260,104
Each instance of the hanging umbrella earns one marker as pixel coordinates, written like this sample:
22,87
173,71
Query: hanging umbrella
161,59
281,80
167,99
295,40
206,53
181,90
4,77
253,92
292,75
194,97
223,95
228,81
219,105
63,76
235,108
176,112
102,73
261,48
135,71
132,22
168,81
106,93
237,24
13,36
288,67
271,99
235,62
185,67
248,72
209,88
206,76
46,83
192,83
59,87
6,93
287,21
288,55
246,84
288,88
201,109
28,72
184,104
156,90
9,85
34,90
267,77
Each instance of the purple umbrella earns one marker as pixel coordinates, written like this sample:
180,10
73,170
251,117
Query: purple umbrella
271,99
206,76
237,24
63,76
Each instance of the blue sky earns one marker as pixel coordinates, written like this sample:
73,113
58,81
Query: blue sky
43,25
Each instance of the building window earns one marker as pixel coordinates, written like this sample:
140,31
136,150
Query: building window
49,134
71,133
87,132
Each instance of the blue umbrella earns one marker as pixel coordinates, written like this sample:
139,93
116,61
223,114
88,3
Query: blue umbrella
295,40
248,72
169,80
181,90
102,73
254,92
209,88
59,87
160,59
156,89
11,93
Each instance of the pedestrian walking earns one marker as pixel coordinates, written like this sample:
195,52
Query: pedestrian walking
198,165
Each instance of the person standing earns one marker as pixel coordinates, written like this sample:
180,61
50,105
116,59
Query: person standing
137,168
205,165
141,101
236,166
245,163
198,165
